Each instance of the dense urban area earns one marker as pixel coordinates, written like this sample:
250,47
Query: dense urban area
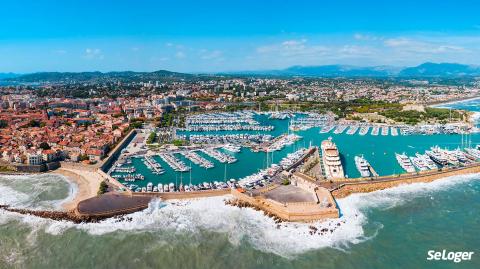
80,121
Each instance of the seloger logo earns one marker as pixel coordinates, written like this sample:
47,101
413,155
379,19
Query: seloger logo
449,256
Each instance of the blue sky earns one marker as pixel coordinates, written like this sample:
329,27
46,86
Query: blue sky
211,36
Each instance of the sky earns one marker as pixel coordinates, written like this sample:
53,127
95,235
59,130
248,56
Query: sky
238,35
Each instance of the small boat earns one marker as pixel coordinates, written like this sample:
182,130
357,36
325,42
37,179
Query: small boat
149,187
232,148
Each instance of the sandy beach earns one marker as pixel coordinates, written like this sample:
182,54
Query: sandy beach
449,102
87,185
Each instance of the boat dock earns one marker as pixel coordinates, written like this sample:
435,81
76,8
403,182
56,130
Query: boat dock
374,173
353,129
197,159
173,162
153,165
340,129
219,156
385,130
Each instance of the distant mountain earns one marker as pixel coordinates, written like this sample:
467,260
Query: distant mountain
426,70
57,77
8,75
327,71
440,70
340,71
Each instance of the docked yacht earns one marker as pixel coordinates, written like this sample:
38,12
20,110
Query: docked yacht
332,164
149,186
405,163
232,148
437,156
427,160
419,163
362,166
474,152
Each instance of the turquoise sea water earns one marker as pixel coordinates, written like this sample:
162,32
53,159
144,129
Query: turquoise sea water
378,150
388,229
393,228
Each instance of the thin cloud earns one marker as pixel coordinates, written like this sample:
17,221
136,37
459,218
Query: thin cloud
93,54
180,55
211,55
410,45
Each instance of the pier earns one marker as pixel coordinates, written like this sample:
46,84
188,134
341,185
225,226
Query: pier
197,159
152,164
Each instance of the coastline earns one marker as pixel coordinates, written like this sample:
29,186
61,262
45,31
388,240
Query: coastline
454,101
87,189
87,183
345,189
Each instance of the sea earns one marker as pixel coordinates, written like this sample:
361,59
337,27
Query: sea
393,228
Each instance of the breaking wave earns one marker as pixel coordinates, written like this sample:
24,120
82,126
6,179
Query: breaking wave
40,192
246,224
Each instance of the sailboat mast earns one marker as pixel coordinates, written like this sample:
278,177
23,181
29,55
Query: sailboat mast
225,173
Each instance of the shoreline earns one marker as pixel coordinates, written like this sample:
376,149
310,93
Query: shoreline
86,191
86,182
454,101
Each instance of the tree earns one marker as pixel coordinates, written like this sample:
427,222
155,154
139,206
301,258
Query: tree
151,138
3,124
44,146
103,188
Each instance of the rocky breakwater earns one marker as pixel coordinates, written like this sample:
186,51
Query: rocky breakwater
53,215
242,204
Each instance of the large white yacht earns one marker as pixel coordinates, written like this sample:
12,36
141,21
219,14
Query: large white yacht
362,166
332,164
405,162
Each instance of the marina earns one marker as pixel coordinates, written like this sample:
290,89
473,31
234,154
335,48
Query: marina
364,130
352,130
173,162
385,130
340,129
197,159
213,158
219,156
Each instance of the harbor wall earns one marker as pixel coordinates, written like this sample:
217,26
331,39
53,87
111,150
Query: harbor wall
112,180
115,153
289,212
346,189
27,168
183,195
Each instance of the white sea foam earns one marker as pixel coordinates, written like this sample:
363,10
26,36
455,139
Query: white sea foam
245,224
23,191
11,197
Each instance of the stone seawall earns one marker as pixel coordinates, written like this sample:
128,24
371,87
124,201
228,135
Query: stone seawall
183,195
369,186
27,168
56,215
300,213
115,153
